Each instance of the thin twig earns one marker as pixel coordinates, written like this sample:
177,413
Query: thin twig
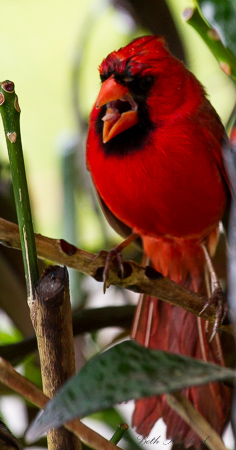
28,390
136,278
119,433
202,428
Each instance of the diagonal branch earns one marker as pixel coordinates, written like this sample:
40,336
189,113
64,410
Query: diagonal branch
179,403
24,387
136,278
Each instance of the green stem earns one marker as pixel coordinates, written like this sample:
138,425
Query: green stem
10,112
226,58
119,433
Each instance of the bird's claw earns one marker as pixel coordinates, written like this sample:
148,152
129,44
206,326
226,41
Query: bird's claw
218,298
115,254
112,255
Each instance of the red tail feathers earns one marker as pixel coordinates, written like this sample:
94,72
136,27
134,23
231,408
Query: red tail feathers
175,330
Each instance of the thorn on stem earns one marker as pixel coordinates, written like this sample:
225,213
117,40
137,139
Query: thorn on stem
8,86
225,67
187,14
2,98
12,137
214,35
16,105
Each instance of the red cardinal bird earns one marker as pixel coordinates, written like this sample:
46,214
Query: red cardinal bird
154,151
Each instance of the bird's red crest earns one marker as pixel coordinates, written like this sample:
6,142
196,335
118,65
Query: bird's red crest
138,52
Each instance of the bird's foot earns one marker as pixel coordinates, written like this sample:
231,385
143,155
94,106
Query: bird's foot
115,254
218,299
112,255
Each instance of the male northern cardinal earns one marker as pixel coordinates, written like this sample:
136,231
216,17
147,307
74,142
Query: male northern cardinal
154,151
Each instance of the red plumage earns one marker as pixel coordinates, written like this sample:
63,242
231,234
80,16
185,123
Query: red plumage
154,151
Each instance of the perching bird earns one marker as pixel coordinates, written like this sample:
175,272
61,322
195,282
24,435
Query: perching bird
154,152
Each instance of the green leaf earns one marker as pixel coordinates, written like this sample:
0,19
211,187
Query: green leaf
124,372
221,15
12,336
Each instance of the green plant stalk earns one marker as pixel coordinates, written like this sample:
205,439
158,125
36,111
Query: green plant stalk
225,57
119,433
10,112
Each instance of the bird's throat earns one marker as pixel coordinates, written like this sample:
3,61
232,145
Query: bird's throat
121,115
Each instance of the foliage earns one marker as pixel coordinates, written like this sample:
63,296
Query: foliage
126,371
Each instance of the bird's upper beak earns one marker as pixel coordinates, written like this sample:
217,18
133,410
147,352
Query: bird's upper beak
121,112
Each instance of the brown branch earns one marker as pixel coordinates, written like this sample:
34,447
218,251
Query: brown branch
29,391
7,440
179,403
136,278
84,321
51,318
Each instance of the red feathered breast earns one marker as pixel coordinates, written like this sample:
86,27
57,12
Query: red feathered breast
172,186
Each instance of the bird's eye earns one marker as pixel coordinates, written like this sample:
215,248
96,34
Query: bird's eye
145,83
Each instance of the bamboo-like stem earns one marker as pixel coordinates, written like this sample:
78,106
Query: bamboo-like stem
10,112
15,381
225,57
119,433
52,321
136,278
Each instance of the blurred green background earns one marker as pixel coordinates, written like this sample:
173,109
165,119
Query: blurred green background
40,43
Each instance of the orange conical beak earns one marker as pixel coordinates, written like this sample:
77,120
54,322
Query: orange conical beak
115,121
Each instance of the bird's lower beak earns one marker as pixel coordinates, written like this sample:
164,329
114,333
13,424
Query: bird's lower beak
122,110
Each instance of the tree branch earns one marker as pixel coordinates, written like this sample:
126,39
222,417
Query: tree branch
28,390
136,278
51,318
84,321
